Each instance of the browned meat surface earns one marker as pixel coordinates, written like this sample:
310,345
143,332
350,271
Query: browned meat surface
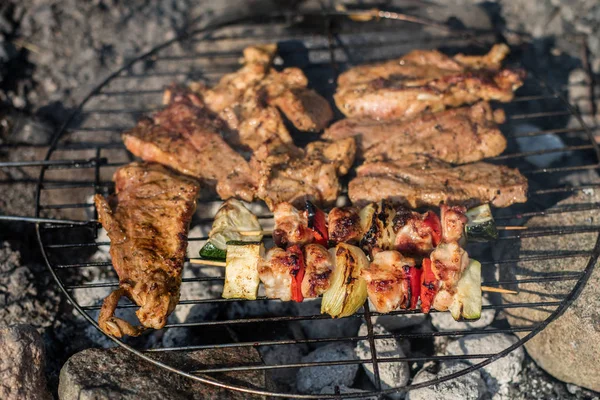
459,135
304,175
291,226
386,284
147,221
431,183
185,136
344,225
425,81
305,108
319,265
453,220
448,262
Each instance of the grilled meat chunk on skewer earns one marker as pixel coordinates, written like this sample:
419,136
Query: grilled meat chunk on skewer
458,136
291,226
425,80
448,262
421,182
344,225
185,136
319,265
147,221
453,221
387,284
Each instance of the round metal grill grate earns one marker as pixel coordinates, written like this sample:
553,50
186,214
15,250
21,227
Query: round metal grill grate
88,150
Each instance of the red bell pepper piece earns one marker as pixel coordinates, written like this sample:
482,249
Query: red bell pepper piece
317,221
429,286
433,222
297,272
414,283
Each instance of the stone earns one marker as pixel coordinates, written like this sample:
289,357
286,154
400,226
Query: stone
500,372
279,355
443,321
392,374
22,364
466,387
343,389
327,327
100,374
25,294
570,355
314,379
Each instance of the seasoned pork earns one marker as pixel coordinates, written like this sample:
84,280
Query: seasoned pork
147,221
425,80
419,182
185,136
458,136
387,283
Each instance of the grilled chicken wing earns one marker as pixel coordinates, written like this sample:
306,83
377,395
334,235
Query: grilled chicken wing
147,221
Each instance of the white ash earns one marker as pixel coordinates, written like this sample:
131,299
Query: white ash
314,379
466,387
443,321
392,374
343,389
502,371
540,142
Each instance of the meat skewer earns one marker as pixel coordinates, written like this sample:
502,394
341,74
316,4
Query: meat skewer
147,221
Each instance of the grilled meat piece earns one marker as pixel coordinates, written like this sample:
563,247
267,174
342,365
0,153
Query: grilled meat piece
291,226
387,286
185,136
147,221
425,80
458,136
344,225
448,262
453,222
419,182
276,272
319,265
304,175
415,234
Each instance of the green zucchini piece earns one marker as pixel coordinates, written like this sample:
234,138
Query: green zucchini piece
241,271
467,299
211,252
480,226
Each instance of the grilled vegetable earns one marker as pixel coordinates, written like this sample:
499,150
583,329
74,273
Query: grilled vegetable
317,221
467,299
414,285
348,291
480,226
429,286
432,221
241,271
297,272
231,219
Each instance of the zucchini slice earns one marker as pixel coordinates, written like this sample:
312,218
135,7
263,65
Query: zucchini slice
467,299
241,271
480,226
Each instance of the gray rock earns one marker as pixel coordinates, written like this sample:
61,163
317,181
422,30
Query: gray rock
391,374
571,355
25,296
443,321
110,374
343,389
328,327
22,364
500,372
466,387
314,379
278,355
